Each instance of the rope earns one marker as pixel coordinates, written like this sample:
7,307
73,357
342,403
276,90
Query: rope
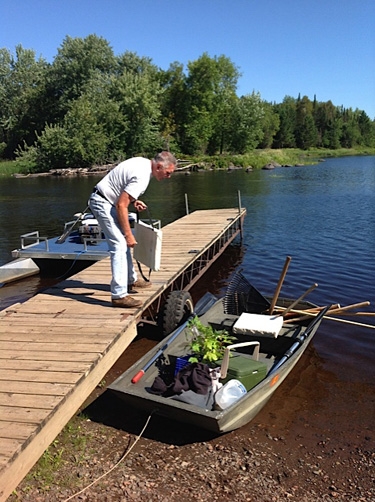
71,266
126,453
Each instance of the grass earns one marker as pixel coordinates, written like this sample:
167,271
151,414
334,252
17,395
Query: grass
10,167
286,156
69,446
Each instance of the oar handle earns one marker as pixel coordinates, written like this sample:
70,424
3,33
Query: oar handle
279,285
349,307
292,305
138,376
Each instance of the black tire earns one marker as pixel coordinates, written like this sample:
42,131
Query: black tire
177,308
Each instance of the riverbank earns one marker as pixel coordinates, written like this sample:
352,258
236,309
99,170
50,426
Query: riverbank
254,160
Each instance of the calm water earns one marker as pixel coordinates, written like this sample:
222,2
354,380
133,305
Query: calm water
322,216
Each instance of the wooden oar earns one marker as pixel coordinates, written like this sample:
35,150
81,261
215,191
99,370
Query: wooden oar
358,314
318,309
290,308
349,307
306,315
279,284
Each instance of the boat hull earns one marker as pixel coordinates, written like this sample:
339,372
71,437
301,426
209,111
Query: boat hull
18,269
241,412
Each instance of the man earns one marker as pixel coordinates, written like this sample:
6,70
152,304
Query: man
110,202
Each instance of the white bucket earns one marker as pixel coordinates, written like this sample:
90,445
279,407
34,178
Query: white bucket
229,394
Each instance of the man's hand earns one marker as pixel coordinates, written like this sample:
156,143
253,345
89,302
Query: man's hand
130,240
139,205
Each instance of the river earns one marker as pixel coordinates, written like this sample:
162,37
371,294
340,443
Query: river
323,216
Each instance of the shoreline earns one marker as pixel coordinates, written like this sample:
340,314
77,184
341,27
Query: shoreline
259,159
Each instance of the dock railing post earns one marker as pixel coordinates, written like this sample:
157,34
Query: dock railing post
186,204
239,201
239,210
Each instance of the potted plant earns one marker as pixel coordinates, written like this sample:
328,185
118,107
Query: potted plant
207,344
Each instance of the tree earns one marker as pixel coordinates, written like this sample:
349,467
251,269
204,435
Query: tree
305,132
21,78
270,125
210,85
248,119
138,93
76,61
350,133
284,137
328,124
173,105
139,105
366,128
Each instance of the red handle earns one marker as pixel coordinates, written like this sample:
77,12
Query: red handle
138,376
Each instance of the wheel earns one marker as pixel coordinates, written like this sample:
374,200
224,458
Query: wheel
177,308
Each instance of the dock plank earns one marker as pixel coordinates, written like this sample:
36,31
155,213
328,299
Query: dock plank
69,366
29,376
20,355
27,401
14,430
25,415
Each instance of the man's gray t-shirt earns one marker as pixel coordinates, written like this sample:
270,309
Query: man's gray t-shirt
131,176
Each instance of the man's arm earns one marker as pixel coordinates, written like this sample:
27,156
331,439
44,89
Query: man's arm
122,208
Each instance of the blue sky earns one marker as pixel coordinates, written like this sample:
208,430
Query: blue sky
282,47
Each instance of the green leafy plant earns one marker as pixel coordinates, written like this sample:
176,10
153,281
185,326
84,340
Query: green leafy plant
207,344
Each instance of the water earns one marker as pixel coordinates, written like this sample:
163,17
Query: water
323,216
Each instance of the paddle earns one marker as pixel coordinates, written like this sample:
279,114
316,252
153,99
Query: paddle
292,305
279,284
201,307
340,310
329,318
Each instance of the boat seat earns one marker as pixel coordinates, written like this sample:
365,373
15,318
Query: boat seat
258,324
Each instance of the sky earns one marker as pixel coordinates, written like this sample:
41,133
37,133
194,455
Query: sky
322,48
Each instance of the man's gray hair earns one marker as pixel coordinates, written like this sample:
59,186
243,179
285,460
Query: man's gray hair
166,159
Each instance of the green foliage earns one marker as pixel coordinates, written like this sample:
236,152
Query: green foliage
248,116
76,61
210,90
21,83
89,106
270,125
53,148
48,463
207,344
137,96
69,446
284,137
11,167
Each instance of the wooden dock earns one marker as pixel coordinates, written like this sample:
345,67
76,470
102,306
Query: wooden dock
57,346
